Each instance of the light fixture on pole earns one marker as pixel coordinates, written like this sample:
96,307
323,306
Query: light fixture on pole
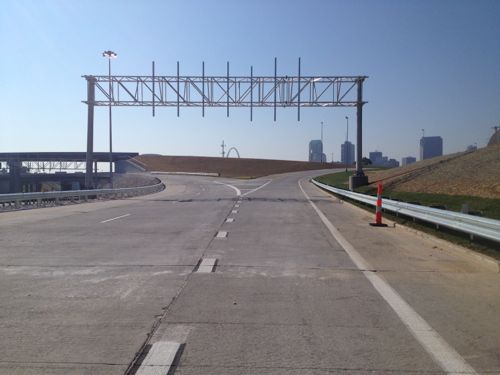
110,55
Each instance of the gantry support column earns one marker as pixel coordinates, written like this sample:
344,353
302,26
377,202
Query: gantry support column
359,179
89,181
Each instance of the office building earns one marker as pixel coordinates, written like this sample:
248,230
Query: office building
316,151
376,157
430,147
379,160
347,153
408,160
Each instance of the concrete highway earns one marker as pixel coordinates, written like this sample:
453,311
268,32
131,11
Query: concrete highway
238,277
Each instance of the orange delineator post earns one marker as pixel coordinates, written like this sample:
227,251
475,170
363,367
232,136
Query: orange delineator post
378,209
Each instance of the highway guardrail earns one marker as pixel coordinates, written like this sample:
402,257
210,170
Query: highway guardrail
19,200
472,225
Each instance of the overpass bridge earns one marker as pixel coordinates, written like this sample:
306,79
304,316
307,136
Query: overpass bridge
17,168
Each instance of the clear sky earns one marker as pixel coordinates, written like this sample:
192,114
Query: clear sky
431,64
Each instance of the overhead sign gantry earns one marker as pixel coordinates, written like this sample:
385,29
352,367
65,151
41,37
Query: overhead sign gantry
204,91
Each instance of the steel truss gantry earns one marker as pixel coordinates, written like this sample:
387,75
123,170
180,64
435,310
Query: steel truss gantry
224,91
49,166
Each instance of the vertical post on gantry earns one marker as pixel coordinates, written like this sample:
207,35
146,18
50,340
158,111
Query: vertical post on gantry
89,184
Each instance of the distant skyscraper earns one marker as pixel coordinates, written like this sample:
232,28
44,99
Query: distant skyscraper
316,151
408,160
430,147
347,153
376,157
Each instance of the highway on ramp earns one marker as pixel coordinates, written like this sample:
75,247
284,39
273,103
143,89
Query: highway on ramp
221,276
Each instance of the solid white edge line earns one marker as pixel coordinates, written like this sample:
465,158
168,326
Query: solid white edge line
159,359
260,187
238,192
115,218
207,265
443,354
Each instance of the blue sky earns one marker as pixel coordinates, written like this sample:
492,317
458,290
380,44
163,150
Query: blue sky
431,64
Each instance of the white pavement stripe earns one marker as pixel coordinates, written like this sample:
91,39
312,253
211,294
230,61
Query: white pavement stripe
229,219
207,265
236,206
238,192
115,218
159,359
260,187
443,354
221,234
234,211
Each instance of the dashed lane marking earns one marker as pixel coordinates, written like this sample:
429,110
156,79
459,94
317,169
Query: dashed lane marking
115,218
207,265
229,219
159,359
221,234
234,211
443,354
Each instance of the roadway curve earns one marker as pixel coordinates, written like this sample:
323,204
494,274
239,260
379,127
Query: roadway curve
85,288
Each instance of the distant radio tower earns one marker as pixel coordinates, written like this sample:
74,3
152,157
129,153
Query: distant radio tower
223,152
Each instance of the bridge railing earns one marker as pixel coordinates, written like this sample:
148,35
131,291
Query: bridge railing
475,226
19,200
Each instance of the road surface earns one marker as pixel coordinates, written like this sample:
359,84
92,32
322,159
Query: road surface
301,284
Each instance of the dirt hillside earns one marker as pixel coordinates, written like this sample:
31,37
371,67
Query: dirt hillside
226,167
475,173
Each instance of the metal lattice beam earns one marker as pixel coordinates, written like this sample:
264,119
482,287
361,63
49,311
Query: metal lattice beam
224,91
219,91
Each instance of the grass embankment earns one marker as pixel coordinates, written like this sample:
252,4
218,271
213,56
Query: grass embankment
484,206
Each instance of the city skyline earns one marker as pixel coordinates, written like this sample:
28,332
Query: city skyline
417,78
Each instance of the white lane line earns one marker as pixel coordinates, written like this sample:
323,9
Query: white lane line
221,234
238,192
115,218
443,354
260,187
159,359
236,206
207,265
229,219
234,211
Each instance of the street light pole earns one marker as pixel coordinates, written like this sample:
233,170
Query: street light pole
110,55
346,148
322,142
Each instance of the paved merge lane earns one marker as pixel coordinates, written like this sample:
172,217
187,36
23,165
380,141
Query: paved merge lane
80,296
83,286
